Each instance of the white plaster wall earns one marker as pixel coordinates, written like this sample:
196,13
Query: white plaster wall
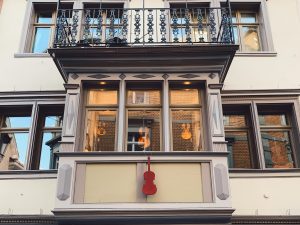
22,74
278,72
265,195
30,196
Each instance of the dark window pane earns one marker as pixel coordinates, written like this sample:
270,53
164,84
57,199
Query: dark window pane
277,149
13,151
238,148
44,17
50,145
143,130
186,130
41,39
273,120
17,122
101,131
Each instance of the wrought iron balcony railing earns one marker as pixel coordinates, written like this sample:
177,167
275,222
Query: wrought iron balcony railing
146,26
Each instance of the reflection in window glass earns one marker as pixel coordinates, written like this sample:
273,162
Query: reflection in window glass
41,39
273,120
238,148
250,38
186,130
17,122
234,120
185,97
143,133
248,17
102,97
13,151
50,144
277,149
44,17
144,97
53,121
101,130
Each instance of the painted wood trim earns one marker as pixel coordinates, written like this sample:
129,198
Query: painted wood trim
206,182
140,169
79,184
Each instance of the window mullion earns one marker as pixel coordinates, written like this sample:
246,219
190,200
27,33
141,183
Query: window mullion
166,117
121,117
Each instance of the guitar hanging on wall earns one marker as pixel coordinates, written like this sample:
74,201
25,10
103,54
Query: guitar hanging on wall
149,188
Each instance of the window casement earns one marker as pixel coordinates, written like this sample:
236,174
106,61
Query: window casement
29,136
42,26
263,138
189,22
101,117
239,137
143,112
101,22
186,116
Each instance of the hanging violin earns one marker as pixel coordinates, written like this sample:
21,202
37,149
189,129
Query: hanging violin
149,188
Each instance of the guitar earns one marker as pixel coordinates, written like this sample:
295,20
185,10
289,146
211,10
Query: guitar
186,133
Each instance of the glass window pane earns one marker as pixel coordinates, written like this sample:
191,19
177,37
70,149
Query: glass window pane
235,120
273,120
143,132
143,97
50,145
17,122
44,17
234,20
41,39
13,151
186,130
185,97
277,149
250,39
116,32
103,97
53,121
101,131
248,17
238,148
236,35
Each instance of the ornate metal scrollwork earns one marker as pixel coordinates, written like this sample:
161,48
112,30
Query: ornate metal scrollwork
225,24
99,27
125,25
111,32
200,25
212,25
187,25
74,27
61,32
137,24
87,25
150,25
175,29
163,29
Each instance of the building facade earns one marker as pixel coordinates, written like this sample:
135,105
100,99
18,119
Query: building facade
95,93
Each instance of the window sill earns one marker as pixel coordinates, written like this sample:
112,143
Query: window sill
31,55
28,174
256,54
263,173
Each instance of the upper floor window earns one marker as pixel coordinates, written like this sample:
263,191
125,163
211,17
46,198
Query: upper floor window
29,138
276,136
246,30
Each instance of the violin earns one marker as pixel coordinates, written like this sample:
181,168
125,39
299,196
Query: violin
149,188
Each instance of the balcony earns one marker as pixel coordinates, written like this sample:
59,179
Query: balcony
131,40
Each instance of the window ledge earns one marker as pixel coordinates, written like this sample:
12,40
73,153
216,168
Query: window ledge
256,54
263,173
28,174
31,55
